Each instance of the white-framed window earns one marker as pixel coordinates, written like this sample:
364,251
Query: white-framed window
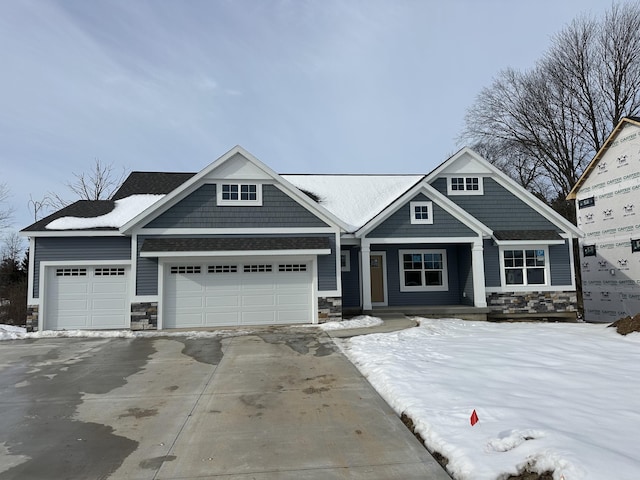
421,212
345,261
524,266
423,270
239,194
463,185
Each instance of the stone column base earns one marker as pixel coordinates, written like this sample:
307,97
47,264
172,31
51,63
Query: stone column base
329,309
144,316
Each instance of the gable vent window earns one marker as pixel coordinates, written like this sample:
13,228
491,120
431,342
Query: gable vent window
71,272
465,186
109,272
292,267
222,269
246,194
421,212
586,202
257,268
182,269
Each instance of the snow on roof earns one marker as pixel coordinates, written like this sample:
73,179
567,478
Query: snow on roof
125,209
355,199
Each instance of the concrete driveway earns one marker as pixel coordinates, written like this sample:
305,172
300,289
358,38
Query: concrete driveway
274,404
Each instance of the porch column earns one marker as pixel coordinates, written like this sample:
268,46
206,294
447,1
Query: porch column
477,264
365,256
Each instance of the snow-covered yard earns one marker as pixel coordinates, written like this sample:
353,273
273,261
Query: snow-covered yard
550,397
557,397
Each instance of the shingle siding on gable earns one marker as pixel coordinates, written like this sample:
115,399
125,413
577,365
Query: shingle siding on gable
78,249
399,224
199,210
498,208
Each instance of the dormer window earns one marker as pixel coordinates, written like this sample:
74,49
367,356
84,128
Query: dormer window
465,186
240,194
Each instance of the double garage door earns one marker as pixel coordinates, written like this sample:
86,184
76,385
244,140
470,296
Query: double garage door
87,297
232,293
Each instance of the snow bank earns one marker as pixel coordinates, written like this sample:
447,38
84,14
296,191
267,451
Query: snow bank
125,210
560,397
362,321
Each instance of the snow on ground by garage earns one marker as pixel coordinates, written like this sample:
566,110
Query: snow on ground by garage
561,397
362,321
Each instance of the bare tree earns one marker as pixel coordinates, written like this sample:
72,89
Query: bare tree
6,211
100,183
552,119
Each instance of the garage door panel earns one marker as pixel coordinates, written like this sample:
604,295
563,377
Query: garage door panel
260,293
96,298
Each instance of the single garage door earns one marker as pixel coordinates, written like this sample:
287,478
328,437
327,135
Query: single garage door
86,297
259,292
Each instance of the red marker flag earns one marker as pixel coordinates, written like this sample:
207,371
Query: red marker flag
474,418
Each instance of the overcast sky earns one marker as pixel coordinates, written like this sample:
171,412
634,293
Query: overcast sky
323,86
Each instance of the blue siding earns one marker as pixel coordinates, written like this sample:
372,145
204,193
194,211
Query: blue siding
399,224
351,279
491,264
498,208
78,248
560,264
147,271
199,210
398,298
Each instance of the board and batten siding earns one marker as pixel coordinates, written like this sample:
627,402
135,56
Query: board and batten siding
89,249
498,208
199,210
491,264
147,267
560,264
399,224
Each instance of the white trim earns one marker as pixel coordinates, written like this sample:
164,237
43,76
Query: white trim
572,262
525,286
452,192
232,253
424,288
144,298
200,178
365,268
477,267
509,184
235,231
421,221
31,300
347,260
239,203
338,264
385,302
435,196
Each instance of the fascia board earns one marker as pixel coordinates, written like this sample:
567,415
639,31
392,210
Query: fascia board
508,183
234,253
449,206
191,184
71,233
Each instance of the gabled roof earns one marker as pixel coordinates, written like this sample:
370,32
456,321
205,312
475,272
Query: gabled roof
196,180
79,209
600,153
155,183
446,204
508,183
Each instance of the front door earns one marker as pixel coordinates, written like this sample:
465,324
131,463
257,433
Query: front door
377,278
